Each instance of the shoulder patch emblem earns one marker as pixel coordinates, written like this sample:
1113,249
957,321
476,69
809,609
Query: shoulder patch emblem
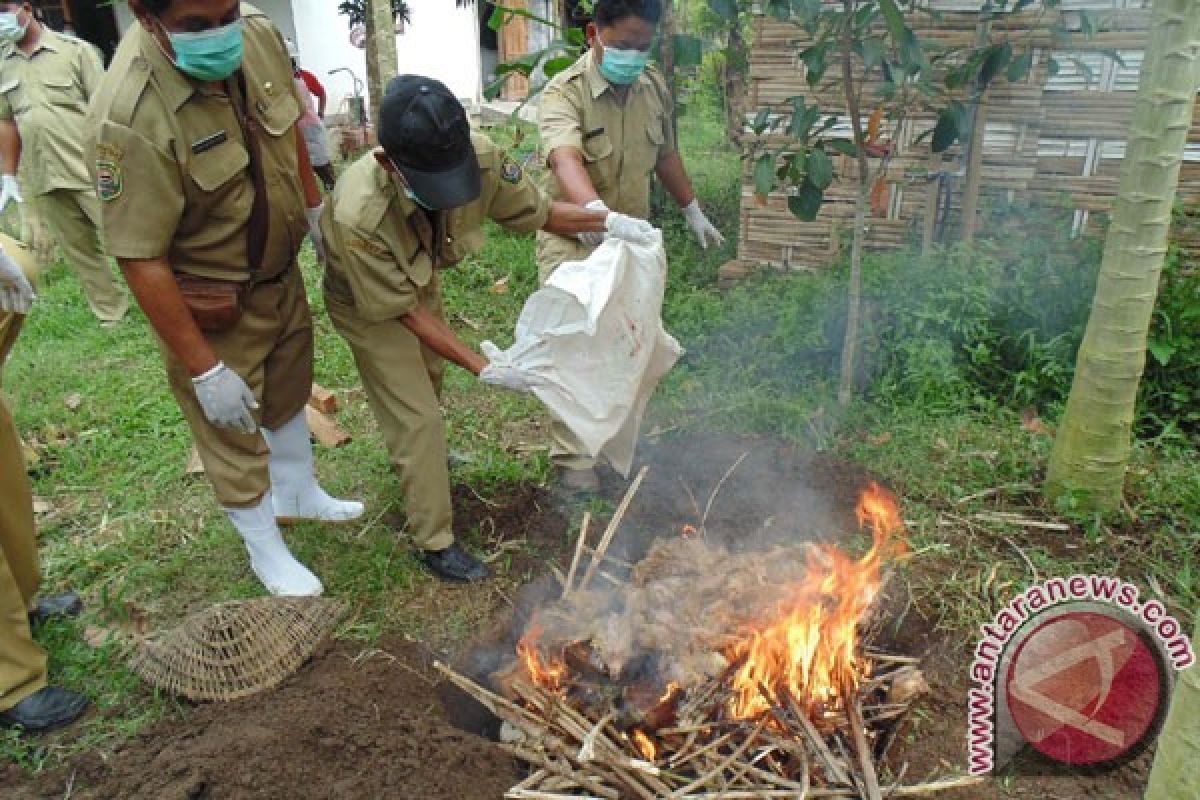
510,171
109,180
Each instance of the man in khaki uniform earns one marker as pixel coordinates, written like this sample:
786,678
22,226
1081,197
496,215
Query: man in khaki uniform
25,698
605,125
46,81
398,216
205,189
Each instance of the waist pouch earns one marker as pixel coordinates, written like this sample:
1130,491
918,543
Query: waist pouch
216,305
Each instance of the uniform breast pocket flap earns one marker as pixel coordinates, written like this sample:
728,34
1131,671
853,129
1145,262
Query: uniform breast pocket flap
61,90
278,115
214,168
597,148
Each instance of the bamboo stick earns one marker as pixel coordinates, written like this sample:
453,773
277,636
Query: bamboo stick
613,524
579,543
859,739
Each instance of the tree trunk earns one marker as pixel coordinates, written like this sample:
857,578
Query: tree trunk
736,63
667,54
1174,774
381,50
1093,443
854,290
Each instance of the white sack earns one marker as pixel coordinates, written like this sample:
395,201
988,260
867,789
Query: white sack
592,343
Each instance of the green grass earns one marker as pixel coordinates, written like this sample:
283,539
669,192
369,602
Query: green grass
144,542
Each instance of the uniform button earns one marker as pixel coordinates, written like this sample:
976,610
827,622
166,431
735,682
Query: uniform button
449,240
269,87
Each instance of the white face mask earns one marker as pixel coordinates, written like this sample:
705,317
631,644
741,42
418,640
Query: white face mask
11,29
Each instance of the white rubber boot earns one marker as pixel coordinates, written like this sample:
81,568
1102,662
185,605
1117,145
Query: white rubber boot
270,558
294,487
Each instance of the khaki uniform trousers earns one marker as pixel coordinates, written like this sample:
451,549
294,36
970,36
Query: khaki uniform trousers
271,348
552,250
22,662
403,382
73,216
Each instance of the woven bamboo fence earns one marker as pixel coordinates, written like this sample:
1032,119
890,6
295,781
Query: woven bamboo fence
1055,140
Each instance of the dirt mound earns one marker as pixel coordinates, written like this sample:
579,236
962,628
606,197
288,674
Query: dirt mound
352,723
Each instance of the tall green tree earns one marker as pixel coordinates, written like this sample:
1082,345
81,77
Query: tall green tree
1093,443
1175,774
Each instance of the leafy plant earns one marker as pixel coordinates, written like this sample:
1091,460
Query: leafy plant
356,11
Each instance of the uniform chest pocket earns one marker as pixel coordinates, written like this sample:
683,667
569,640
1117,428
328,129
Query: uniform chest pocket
61,91
226,190
597,156
644,150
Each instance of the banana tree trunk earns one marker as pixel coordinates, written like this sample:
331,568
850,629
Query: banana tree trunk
1175,774
1093,443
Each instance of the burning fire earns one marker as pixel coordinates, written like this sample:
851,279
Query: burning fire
549,673
807,654
644,744
811,653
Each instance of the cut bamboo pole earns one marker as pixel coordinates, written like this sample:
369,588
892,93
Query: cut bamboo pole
613,525
579,543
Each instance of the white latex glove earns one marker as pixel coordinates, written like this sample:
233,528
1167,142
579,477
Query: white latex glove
593,238
700,225
631,229
9,190
501,372
226,399
16,295
314,231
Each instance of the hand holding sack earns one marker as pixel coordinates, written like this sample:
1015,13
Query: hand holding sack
501,371
630,229
593,238
701,227
226,399
16,293
9,190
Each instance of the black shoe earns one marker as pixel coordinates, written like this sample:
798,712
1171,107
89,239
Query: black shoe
67,604
47,708
455,564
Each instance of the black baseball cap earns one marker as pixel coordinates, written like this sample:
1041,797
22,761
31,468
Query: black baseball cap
424,131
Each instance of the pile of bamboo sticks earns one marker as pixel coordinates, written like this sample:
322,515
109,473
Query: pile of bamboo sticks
799,751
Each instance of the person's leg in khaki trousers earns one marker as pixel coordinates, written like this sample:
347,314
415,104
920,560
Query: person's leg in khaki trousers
73,217
22,662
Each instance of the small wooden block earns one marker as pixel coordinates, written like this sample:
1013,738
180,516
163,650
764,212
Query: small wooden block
322,399
325,429
194,465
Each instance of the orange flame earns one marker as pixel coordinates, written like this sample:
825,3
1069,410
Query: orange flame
688,531
644,744
811,652
547,673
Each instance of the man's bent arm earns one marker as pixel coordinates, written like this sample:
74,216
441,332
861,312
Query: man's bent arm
674,177
567,165
435,334
153,285
10,147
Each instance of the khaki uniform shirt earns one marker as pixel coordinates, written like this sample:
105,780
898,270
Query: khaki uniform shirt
383,249
621,142
171,163
47,94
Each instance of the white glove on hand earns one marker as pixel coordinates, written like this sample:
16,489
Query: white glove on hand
700,225
593,238
9,190
631,229
16,294
314,232
226,399
501,372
